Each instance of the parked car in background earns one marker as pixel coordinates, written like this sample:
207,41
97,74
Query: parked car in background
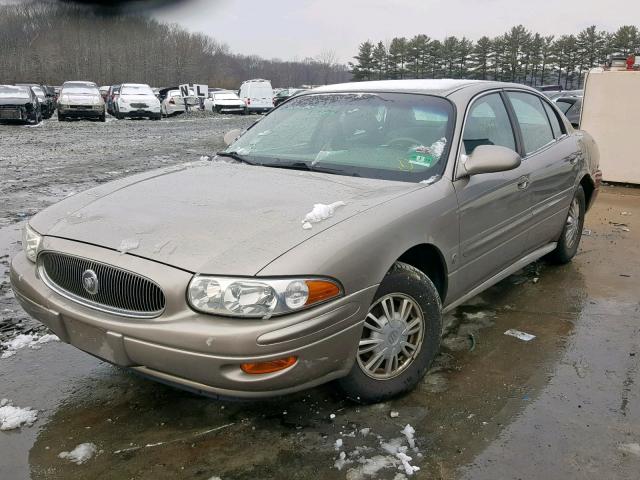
549,88
19,103
257,95
47,105
112,96
224,101
104,92
564,93
173,103
79,99
285,94
571,107
137,100
426,193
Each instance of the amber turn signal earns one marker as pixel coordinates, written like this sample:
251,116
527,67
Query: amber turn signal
321,290
268,367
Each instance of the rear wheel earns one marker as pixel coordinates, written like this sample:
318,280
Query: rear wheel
400,337
572,232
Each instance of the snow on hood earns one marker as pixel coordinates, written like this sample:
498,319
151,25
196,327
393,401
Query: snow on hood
218,217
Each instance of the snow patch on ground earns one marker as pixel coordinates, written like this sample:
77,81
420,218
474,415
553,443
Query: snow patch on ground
81,454
319,213
365,462
15,417
632,448
25,340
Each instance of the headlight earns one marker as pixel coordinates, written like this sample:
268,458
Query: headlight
31,242
258,298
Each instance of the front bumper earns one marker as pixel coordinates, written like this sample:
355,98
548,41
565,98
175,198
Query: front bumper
81,111
192,350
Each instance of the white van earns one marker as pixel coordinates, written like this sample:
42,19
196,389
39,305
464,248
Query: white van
257,95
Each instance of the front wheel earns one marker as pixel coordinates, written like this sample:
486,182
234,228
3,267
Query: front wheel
400,337
572,231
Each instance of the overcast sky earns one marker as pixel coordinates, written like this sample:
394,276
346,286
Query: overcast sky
300,28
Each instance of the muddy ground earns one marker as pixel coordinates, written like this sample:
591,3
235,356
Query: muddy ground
563,405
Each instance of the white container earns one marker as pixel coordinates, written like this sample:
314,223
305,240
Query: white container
611,114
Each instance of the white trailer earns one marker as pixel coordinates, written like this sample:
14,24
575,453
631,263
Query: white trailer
611,114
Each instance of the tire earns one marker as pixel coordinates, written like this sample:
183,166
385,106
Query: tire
103,118
572,231
245,112
119,116
61,117
401,283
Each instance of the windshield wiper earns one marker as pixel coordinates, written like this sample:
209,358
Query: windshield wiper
306,167
235,156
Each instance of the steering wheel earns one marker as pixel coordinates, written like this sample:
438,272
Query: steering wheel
408,140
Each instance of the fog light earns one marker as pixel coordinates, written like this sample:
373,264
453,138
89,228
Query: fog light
268,367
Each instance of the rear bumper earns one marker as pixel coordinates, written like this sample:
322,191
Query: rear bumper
195,351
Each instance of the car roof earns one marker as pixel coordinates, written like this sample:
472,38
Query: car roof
439,87
135,85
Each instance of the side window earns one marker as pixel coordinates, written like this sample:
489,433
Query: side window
563,105
533,121
553,118
488,124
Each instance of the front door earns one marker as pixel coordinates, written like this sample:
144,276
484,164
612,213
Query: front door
494,208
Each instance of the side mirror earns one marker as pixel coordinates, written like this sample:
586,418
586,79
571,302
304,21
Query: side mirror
231,136
490,159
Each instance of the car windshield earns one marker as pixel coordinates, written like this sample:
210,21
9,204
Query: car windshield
79,90
14,92
39,92
391,136
136,90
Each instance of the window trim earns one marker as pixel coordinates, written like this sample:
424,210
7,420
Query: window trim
563,127
516,131
547,145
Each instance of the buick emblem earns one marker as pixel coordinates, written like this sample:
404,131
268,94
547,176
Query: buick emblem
90,282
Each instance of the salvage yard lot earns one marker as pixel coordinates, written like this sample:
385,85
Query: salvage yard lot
493,406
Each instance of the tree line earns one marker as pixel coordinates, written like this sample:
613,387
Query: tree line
50,43
519,56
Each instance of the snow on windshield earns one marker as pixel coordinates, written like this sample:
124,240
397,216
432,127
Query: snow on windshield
14,92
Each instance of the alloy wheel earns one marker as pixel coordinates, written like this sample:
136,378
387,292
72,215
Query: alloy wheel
392,336
573,223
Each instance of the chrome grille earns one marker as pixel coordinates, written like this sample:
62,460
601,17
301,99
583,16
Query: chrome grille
119,291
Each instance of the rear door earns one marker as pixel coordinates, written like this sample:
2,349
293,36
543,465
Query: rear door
553,158
494,208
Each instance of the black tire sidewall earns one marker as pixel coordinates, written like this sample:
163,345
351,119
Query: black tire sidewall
563,254
407,280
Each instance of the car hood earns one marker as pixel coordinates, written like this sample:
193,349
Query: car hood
212,217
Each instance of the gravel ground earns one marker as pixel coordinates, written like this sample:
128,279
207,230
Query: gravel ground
42,164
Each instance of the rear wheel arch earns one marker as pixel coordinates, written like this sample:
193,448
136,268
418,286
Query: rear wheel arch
429,260
588,187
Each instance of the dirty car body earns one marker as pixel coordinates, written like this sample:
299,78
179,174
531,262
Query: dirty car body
221,277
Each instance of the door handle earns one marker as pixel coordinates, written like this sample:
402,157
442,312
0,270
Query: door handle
523,183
